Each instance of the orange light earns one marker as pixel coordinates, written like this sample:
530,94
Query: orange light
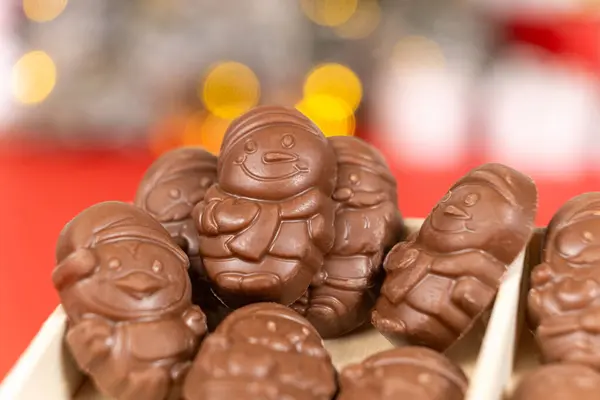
329,113
418,51
334,80
43,10
206,130
167,134
33,78
362,23
329,12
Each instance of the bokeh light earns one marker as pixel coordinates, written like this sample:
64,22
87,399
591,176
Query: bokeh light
335,80
418,52
43,10
206,130
229,90
329,113
167,134
33,77
329,12
362,23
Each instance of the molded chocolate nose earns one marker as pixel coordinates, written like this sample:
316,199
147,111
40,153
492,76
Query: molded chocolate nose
278,157
140,284
455,212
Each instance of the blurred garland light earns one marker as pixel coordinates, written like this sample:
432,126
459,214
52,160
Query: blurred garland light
33,77
362,23
229,90
331,114
206,130
418,52
329,12
337,81
43,10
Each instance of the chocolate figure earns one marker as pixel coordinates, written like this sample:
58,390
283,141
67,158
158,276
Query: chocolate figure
403,373
442,279
124,286
559,382
564,300
367,224
267,223
173,185
262,351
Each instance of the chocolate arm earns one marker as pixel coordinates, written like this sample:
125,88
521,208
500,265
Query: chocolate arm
305,205
78,265
195,320
474,263
90,342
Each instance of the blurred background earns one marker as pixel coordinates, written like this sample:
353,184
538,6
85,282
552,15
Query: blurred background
91,92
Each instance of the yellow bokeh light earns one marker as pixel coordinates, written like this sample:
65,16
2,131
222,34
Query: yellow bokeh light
229,90
418,51
206,130
334,80
330,114
364,21
329,12
33,77
43,10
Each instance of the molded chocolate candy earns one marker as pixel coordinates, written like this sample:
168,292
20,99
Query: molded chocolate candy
262,351
268,222
173,185
444,277
124,286
415,373
560,382
564,300
367,224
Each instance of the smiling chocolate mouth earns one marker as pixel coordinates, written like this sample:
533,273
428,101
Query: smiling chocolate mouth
140,284
297,170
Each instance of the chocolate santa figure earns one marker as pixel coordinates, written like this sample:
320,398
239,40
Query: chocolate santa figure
262,351
170,189
268,222
367,224
564,299
123,284
441,280
403,373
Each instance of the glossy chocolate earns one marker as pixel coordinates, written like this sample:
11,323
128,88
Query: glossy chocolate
170,189
415,373
367,223
564,299
444,277
268,222
560,382
262,351
124,286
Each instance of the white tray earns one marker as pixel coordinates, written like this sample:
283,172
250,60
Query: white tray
46,371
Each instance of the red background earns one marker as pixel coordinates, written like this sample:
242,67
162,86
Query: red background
41,191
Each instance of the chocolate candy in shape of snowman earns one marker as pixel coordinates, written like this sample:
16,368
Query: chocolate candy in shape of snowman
564,299
441,280
410,372
262,351
559,382
170,189
268,222
124,286
367,224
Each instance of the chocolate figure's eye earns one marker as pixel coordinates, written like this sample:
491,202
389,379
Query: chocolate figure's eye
157,267
250,146
446,197
354,179
588,237
114,263
174,193
287,141
471,199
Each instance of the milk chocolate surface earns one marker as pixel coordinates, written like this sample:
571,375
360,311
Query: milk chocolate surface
560,382
262,351
367,223
444,277
564,299
124,286
415,373
268,222
170,189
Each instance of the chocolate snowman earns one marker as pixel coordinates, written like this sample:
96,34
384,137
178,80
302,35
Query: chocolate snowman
367,224
268,222
443,278
123,284
564,299
263,351
403,373
170,189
